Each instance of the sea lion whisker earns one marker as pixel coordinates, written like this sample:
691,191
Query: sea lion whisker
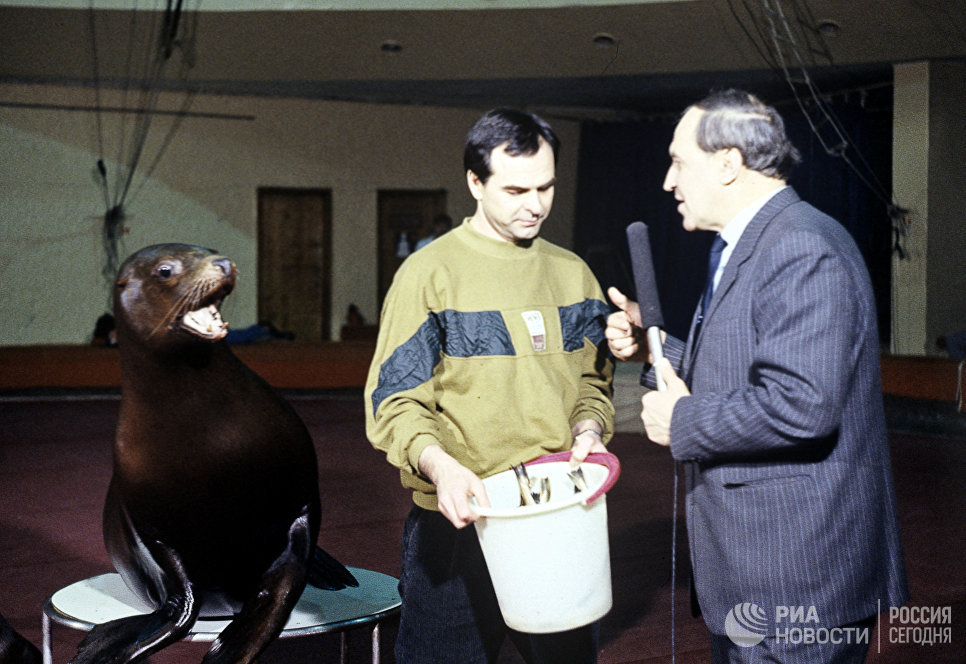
193,298
177,308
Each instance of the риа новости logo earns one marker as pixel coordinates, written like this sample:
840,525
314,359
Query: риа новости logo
746,624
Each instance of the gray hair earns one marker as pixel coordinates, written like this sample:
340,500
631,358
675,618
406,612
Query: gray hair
738,119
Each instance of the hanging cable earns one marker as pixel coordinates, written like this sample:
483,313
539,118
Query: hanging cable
810,101
183,112
101,172
674,560
187,47
757,43
154,61
791,51
145,71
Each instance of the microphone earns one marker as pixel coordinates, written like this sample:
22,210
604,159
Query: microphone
652,320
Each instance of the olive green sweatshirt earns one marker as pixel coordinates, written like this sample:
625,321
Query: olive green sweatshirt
492,350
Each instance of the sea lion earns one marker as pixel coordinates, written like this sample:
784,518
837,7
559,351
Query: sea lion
213,505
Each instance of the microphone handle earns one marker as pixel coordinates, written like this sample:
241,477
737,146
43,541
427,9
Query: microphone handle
657,352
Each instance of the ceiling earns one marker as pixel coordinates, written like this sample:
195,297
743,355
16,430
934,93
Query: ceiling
583,58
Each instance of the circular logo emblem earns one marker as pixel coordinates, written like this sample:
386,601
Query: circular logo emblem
746,624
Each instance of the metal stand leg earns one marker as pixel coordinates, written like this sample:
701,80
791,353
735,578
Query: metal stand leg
344,653
45,627
375,644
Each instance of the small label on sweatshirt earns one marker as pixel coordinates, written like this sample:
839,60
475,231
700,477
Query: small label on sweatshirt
538,333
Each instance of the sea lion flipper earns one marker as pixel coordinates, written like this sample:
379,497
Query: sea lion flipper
327,573
15,649
134,638
266,611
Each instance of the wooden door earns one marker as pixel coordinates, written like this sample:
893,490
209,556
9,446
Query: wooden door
405,217
294,260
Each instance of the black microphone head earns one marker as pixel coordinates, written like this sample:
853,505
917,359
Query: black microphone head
639,244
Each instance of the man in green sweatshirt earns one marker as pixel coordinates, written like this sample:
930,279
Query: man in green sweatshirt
491,352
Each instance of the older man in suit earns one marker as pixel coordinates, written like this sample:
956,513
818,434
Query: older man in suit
777,415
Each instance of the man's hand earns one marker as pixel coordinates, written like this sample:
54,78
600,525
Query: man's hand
587,439
624,334
658,407
455,483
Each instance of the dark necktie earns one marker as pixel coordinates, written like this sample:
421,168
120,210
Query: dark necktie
713,259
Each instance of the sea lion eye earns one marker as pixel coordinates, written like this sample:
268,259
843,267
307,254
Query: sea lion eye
168,269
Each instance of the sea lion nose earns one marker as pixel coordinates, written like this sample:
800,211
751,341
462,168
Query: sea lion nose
225,265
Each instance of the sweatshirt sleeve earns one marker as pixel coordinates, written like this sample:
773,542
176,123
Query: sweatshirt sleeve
399,395
596,393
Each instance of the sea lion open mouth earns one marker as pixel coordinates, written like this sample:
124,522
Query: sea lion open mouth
206,323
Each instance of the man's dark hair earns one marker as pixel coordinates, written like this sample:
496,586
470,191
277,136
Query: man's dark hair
738,119
519,130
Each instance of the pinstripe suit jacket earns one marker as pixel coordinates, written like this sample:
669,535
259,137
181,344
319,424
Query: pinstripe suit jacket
790,500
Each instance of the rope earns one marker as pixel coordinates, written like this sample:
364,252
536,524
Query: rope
674,557
175,30
959,387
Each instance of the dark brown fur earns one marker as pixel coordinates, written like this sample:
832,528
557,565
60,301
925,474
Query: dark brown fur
14,649
213,506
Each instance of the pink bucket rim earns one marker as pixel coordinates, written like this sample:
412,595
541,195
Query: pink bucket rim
605,459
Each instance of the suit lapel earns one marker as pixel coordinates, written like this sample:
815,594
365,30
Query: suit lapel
739,256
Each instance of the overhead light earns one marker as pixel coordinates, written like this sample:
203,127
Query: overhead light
604,40
391,46
829,28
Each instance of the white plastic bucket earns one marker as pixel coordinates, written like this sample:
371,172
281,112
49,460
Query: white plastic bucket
550,563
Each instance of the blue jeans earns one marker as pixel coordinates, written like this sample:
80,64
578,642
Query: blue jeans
450,613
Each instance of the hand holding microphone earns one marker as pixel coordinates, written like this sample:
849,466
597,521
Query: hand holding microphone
625,336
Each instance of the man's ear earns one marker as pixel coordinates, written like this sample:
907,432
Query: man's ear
475,185
730,164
